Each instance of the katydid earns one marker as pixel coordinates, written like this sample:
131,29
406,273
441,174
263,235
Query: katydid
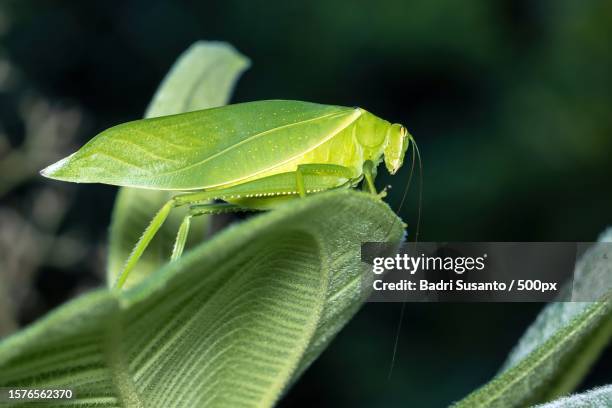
252,156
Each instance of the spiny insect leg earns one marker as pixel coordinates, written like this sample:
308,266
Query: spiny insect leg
181,238
143,242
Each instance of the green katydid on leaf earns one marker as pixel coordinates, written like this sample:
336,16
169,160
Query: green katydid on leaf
203,77
251,155
226,146
232,323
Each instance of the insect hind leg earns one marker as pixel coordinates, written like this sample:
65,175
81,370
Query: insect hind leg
317,169
143,242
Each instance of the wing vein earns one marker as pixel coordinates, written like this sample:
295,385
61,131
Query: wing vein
251,138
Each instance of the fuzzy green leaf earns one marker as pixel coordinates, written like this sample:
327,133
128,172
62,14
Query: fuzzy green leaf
558,349
232,323
598,397
203,77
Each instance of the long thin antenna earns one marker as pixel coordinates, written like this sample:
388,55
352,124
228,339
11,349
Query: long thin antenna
407,188
420,202
396,341
416,155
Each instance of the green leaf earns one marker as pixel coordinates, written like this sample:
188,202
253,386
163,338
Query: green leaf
598,397
558,349
203,77
232,323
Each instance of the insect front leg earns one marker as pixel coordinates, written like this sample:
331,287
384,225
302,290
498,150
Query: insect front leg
316,169
369,173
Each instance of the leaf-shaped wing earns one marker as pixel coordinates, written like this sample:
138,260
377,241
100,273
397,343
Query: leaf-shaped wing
206,148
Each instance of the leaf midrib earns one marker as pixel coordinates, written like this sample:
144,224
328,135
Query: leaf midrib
120,374
584,319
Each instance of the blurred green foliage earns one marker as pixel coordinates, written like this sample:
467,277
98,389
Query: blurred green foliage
509,100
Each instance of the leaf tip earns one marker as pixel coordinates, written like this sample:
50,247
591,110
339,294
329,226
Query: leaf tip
56,170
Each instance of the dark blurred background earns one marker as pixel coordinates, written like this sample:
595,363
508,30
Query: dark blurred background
510,102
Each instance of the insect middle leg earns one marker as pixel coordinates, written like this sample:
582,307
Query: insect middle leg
194,211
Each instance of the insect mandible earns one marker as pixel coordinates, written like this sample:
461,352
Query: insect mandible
252,156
